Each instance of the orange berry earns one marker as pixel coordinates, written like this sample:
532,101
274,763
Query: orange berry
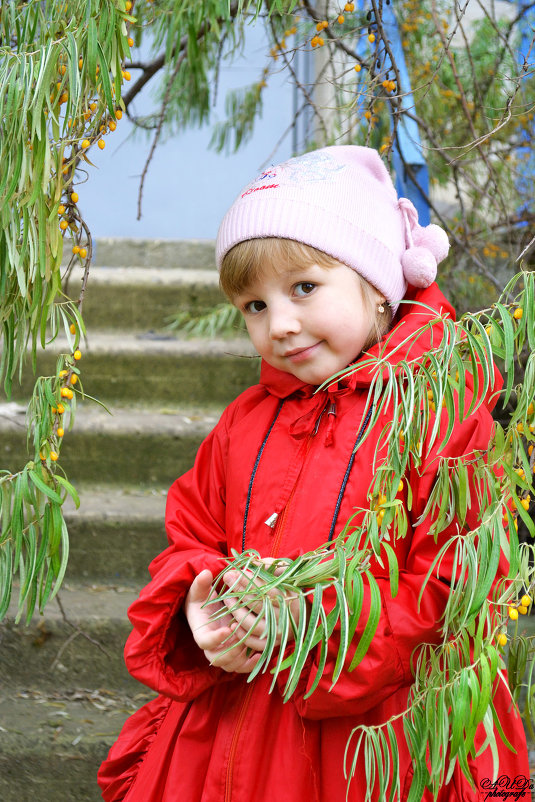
371,37
60,432
128,5
41,455
118,114
61,409
101,144
130,42
61,209
80,63
53,456
112,125
77,354
74,378
525,502
341,19
76,249
83,253
93,106
85,143
63,225
522,610
126,75
517,314
531,409
64,392
357,68
64,97
62,373
502,639
513,613
74,197
62,69
400,487
525,601
72,328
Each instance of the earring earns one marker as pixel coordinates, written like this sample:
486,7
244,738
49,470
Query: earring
381,309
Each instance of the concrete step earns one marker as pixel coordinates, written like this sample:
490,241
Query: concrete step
166,370
137,447
54,741
83,649
115,533
142,299
137,252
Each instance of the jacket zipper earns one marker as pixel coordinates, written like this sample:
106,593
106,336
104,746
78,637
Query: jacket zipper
277,537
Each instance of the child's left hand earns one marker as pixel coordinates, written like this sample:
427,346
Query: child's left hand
248,618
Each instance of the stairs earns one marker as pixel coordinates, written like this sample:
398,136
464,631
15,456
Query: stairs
64,690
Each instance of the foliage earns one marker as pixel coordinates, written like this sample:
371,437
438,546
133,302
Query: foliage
476,500
60,84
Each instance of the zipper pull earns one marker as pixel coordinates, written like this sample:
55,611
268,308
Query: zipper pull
331,415
272,520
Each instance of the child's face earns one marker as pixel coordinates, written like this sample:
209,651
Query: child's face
310,322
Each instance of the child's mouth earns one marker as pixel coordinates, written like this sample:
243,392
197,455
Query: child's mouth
300,354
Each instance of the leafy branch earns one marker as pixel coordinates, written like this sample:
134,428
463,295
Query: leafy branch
473,508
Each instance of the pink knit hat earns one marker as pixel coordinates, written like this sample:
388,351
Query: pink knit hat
340,200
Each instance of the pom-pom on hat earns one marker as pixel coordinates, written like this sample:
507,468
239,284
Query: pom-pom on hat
340,200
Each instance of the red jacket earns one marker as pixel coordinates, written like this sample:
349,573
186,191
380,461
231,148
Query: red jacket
210,736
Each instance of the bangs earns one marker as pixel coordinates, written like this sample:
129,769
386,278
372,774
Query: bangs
244,263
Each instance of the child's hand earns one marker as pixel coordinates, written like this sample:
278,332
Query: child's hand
215,637
247,619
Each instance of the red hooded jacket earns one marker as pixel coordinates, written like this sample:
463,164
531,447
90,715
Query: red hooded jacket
211,736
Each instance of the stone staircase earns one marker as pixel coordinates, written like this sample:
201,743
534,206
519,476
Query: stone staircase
64,690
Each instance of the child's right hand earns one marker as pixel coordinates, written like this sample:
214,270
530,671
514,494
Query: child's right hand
215,637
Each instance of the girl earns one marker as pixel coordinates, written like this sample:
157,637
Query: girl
317,253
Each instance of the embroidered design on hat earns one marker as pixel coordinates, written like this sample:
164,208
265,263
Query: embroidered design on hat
315,166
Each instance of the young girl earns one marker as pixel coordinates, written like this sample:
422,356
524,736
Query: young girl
316,253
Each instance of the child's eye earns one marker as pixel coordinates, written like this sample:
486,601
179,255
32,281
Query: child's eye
254,307
304,288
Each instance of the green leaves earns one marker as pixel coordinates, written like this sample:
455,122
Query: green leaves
472,507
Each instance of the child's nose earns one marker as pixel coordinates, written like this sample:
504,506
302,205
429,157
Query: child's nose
283,320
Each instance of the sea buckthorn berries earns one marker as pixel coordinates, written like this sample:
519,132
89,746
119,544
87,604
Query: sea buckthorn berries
76,249
61,409
85,143
531,409
64,225
77,354
112,125
74,378
502,639
53,456
60,432
72,328
61,209
130,42
357,68
118,114
74,197
62,373
525,601
371,38
64,392
517,314
400,486
341,19
83,253
525,502
101,144
513,613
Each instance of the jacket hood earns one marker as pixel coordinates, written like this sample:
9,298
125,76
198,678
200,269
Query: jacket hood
403,341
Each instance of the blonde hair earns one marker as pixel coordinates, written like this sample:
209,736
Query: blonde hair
245,262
